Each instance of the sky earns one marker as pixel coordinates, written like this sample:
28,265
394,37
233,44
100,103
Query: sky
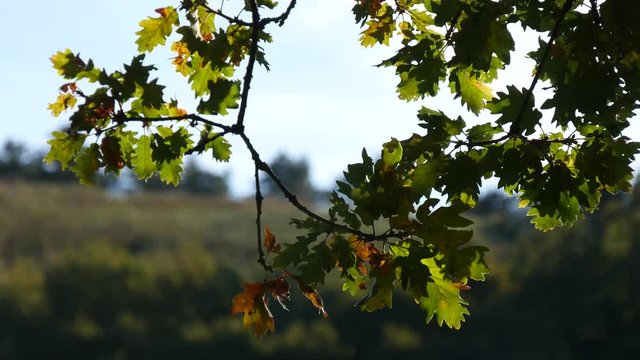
323,100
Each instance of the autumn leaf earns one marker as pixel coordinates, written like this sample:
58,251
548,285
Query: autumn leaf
363,250
253,304
270,241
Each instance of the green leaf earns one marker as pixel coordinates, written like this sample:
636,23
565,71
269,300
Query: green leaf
220,148
392,152
224,94
408,263
381,290
64,147
206,21
293,253
71,66
471,90
482,132
425,177
203,74
316,265
461,180
86,164
420,66
469,263
449,216
171,171
155,31
508,107
169,145
543,222
481,35
443,302
127,140
143,165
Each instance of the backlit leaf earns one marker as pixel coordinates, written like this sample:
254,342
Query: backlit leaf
155,30
64,147
143,165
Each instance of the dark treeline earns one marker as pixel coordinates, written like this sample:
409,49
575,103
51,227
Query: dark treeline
17,162
86,276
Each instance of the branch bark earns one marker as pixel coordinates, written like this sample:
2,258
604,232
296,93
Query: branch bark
555,32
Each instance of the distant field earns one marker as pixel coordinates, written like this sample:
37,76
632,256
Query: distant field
40,219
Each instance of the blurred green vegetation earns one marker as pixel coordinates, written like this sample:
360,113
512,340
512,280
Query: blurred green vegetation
85,275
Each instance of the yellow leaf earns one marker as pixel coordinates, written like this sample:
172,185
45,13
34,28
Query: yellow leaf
63,102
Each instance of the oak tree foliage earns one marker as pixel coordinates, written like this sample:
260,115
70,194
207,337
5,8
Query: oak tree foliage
396,223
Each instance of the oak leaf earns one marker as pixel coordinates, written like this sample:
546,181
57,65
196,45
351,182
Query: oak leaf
253,304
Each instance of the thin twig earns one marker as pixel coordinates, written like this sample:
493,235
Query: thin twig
515,125
454,22
230,19
202,144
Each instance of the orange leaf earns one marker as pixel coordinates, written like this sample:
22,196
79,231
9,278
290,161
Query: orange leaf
312,295
245,301
364,250
270,241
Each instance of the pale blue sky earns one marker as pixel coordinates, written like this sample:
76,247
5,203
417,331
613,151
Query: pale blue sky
322,100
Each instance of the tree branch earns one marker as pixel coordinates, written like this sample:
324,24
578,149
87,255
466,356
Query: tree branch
515,125
331,225
595,14
192,117
282,17
261,258
256,27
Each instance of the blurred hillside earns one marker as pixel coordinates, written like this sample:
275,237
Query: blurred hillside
84,275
